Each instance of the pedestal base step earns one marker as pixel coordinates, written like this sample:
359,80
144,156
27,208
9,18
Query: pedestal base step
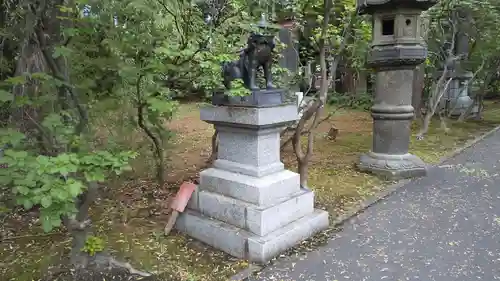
245,245
258,220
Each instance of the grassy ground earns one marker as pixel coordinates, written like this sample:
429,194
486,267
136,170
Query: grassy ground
131,232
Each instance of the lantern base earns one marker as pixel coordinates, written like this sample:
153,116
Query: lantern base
392,167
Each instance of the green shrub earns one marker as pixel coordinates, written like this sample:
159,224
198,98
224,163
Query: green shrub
359,102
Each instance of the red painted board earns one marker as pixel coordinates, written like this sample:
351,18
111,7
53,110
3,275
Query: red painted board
182,197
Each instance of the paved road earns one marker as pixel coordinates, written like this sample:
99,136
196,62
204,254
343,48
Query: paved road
443,227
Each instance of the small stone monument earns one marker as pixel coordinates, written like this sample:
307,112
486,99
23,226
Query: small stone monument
456,99
248,204
289,58
397,49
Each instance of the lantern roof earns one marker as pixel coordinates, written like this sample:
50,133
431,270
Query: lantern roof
372,6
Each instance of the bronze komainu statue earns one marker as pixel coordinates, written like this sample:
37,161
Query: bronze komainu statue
258,53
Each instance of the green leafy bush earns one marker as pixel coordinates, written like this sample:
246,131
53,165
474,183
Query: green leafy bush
360,101
54,182
93,245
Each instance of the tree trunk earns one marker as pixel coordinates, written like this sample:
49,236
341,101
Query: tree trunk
303,172
78,259
480,104
349,82
425,125
48,32
215,147
434,101
79,226
362,83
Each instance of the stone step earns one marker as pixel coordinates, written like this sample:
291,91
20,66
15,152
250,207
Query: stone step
245,245
256,219
262,191
264,248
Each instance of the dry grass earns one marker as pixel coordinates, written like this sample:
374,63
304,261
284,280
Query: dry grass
137,236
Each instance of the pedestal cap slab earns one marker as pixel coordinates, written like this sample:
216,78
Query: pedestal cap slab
455,74
260,98
250,117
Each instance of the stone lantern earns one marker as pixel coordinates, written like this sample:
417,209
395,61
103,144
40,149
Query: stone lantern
397,48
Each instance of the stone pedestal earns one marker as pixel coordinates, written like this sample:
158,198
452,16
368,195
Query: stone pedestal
247,204
392,117
456,100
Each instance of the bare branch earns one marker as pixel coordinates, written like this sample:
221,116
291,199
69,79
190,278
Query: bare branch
114,263
303,133
441,86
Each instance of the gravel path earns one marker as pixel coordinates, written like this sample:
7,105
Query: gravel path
444,227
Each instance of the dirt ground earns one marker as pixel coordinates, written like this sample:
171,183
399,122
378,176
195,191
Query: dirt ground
105,275
193,140
132,224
